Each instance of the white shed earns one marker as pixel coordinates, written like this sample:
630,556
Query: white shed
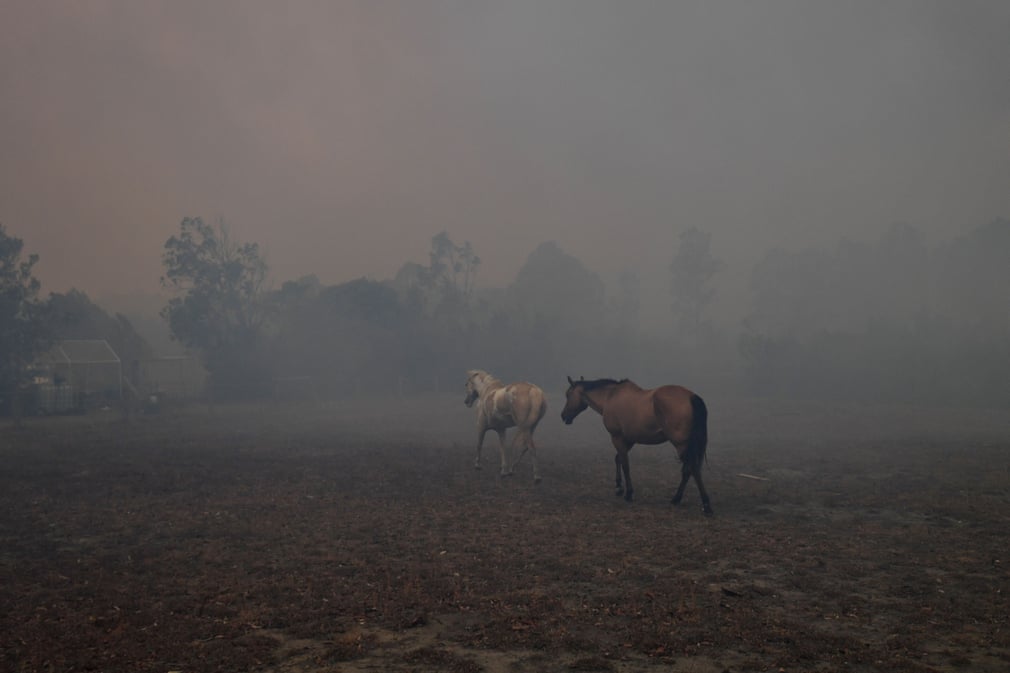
88,366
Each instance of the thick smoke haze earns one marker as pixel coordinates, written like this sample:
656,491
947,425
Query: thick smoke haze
341,136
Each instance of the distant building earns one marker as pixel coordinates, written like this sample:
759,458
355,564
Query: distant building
76,374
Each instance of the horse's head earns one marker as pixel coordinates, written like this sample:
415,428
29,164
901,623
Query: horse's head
575,401
472,393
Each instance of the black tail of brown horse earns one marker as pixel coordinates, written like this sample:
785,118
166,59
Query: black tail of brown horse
697,441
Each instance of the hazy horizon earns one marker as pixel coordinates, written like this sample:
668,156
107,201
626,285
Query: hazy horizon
341,137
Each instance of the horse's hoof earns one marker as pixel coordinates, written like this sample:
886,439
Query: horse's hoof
675,501
707,511
536,480
619,492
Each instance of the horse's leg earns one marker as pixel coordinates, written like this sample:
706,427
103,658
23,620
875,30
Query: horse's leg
628,489
530,445
621,461
617,475
480,442
527,439
706,506
533,455
686,472
520,435
505,470
685,475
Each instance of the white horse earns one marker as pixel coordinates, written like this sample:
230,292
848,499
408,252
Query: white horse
500,406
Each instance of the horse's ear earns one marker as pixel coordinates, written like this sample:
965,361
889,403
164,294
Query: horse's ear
570,382
582,378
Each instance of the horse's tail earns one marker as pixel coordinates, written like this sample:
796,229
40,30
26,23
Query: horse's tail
697,441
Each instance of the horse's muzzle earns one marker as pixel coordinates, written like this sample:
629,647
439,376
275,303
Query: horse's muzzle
568,421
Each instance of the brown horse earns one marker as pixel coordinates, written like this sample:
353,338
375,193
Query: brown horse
635,416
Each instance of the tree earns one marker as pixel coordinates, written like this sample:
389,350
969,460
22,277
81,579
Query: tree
444,287
972,276
558,286
889,318
453,267
220,311
438,318
691,271
558,309
344,337
845,288
20,326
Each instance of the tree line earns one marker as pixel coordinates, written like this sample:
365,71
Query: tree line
889,320
894,320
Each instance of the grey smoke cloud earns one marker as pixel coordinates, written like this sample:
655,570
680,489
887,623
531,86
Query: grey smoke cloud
342,136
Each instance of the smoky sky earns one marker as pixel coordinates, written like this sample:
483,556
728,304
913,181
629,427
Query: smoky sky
341,136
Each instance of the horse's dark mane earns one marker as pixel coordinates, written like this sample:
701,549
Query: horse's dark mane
599,383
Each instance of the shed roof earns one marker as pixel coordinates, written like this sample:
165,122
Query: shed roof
80,351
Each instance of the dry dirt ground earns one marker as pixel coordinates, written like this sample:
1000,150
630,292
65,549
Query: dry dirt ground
356,536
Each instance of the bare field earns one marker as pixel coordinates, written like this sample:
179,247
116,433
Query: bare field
346,537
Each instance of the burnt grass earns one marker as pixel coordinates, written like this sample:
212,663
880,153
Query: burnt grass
356,535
